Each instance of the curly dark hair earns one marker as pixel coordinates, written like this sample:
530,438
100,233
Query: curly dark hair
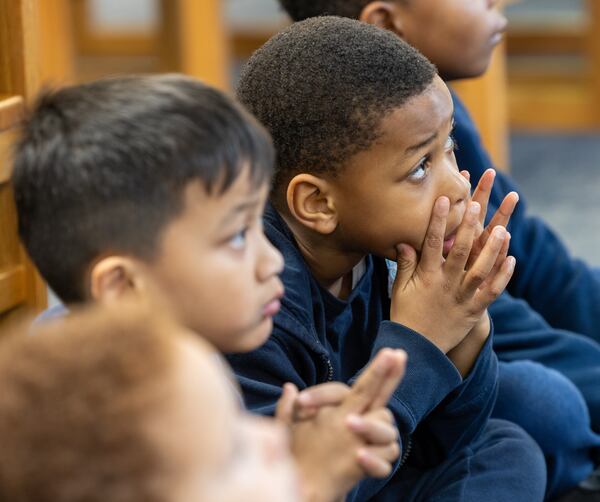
299,10
322,88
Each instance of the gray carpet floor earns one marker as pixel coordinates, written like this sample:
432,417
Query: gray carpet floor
559,175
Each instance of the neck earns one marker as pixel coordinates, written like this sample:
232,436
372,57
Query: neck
328,262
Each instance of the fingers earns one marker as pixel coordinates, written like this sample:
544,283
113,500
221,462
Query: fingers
377,460
431,253
502,215
483,191
407,264
480,270
367,387
461,249
327,394
394,377
502,255
284,411
494,287
375,428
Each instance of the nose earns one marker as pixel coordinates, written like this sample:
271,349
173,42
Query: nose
456,187
270,260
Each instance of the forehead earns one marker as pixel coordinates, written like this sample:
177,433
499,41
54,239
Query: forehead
420,117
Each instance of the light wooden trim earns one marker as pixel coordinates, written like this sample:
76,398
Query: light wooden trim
593,57
12,288
7,139
486,100
193,37
11,112
552,41
56,42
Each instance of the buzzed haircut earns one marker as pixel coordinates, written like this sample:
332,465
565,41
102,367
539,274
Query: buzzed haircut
102,167
323,86
299,10
76,398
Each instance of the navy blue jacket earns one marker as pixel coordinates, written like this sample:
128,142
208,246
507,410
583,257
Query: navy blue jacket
316,339
564,290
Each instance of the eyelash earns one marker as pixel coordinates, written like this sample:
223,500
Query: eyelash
238,246
422,165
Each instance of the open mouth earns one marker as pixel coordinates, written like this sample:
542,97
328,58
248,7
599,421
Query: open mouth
448,243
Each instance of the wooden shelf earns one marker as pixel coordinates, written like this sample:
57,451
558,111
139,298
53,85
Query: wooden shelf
12,288
11,111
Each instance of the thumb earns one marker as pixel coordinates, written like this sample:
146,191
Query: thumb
284,411
407,264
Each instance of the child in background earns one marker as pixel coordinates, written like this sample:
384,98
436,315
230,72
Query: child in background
119,404
156,186
366,171
560,293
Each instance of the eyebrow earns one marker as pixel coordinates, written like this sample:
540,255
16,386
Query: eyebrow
422,144
240,208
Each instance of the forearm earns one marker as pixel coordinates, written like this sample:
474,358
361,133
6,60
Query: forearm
465,354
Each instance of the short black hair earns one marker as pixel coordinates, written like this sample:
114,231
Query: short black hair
102,167
299,10
322,88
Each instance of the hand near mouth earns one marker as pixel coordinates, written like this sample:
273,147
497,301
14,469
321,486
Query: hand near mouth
501,218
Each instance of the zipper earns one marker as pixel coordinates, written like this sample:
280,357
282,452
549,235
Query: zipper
408,444
329,371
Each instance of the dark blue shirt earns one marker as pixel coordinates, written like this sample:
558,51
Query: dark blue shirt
317,338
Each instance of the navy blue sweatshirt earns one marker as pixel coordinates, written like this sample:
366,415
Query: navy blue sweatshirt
317,338
564,290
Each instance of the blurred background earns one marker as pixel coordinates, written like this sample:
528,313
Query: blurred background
538,107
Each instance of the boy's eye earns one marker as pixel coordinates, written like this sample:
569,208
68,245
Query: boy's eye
420,171
450,145
238,241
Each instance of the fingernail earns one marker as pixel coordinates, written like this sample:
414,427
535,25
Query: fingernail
474,208
304,399
354,420
499,232
511,263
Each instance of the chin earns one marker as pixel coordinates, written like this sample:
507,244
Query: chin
255,337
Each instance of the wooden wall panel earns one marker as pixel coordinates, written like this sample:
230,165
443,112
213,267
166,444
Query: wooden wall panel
21,289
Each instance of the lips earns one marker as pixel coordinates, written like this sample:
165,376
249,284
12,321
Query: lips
498,33
448,243
272,307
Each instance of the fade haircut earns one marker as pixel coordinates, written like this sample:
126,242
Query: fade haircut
323,86
75,403
299,10
102,167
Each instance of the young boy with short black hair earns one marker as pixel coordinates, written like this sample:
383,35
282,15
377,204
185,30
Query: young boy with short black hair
366,171
459,36
154,186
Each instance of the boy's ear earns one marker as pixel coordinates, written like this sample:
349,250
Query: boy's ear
386,15
114,276
310,201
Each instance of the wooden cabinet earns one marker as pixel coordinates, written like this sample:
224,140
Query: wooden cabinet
21,289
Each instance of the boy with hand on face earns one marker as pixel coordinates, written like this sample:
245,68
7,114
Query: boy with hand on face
156,187
366,171
560,368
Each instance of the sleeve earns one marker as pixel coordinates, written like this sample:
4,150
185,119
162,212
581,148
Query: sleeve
564,290
433,398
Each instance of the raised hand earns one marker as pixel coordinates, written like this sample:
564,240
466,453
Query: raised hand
444,299
351,434
502,215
